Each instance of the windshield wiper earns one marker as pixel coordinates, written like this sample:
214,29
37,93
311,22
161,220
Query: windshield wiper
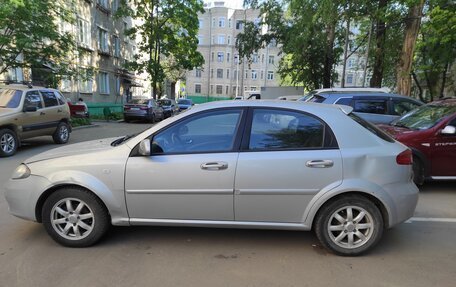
122,139
401,125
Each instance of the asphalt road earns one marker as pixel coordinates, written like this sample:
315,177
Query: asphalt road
421,252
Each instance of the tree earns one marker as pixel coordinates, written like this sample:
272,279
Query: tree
28,29
166,29
412,26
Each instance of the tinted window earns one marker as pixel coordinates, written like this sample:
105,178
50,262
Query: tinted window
185,102
344,101
33,99
370,106
315,99
370,127
10,98
138,101
49,98
60,98
165,102
206,132
403,107
274,129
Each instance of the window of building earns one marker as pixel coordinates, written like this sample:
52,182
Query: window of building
212,73
246,74
213,39
350,63
102,40
218,89
254,74
213,22
228,41
253,89
221,22
235,74
212,89
65,84
236,59
200,23
103,83
228,55
262,58
220,57
255,58
84,32
239,24
117,85
103,3
229,23
212,56
116,41
125,26
197,88
261,75
227,73
198,73
86,83
282,130
271,60
349,78
200,40
219,73
270,75
221,39
115,5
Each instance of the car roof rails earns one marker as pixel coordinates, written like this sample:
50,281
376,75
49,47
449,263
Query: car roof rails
29,84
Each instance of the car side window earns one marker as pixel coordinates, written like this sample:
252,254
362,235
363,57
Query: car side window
60,98
49,98
33,99
344,101
370,106
452,123
278,129
207,132
403,107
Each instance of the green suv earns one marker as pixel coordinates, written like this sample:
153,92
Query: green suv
27,112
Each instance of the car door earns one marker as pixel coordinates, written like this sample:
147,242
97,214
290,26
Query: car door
32,123
52,109
443,162
286,158
190,173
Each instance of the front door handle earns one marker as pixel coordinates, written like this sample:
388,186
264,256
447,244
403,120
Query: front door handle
320,163
59,111
42,113
214,165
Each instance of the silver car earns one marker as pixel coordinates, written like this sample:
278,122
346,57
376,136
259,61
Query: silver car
246,164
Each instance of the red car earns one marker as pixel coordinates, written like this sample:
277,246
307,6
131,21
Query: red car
430,132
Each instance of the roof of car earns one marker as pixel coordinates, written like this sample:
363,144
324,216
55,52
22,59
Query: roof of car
353,89
444,102
23,87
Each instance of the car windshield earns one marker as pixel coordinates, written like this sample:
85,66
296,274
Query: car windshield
10,98
138,101
165,102
424,117
185,102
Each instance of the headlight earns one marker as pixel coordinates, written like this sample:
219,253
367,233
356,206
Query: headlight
21,171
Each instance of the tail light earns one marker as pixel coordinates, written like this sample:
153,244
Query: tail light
126,108
405,157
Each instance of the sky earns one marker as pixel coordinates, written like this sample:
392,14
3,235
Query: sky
236,4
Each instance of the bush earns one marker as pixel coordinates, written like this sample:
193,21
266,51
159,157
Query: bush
77,122
108,116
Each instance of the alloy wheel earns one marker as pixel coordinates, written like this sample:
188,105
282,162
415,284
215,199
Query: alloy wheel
7,143
72,218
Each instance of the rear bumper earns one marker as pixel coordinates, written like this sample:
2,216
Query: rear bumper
404,198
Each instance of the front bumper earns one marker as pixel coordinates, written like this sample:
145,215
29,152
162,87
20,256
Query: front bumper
22,195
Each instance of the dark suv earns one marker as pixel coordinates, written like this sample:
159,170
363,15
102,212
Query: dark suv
430,131
374,106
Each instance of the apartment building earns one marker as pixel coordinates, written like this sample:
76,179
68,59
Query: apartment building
103,50
223,76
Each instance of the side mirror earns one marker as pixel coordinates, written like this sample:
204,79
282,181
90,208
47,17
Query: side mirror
144,147
448,130
30,109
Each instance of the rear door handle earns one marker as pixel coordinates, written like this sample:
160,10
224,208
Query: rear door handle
42,113
214,165
59,111
320,163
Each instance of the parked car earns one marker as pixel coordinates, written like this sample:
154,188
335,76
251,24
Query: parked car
184,104
170,107
27,112
430,132
371,104
143,109
255,164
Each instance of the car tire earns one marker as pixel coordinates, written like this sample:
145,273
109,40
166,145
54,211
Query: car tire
418,171
62,133
75,217
349,235
152,119
127,120
8,142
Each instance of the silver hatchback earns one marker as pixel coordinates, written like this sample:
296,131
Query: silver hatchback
246,164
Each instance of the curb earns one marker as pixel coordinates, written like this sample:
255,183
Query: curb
86,127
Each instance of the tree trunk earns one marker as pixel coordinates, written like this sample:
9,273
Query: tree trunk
412,26
347,35
420,89
379,53
442,87
329,55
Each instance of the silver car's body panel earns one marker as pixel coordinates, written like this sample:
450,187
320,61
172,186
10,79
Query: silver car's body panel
267,189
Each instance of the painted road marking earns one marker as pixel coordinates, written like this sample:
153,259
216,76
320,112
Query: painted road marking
431,219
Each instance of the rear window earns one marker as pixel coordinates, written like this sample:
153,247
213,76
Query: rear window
370,127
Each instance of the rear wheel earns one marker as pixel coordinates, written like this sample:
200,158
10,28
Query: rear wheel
418,171
8,142
62,133
152,118
349,225
75,217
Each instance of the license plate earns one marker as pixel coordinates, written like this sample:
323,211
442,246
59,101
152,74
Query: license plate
134,109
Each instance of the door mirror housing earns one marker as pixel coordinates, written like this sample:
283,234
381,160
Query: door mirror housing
448,130
30,109
144,147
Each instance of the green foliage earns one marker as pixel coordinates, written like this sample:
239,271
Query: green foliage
29,28
167,30
77,122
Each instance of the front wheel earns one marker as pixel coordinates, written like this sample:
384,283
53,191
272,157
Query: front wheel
8,142
62,133
349,225
75,217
